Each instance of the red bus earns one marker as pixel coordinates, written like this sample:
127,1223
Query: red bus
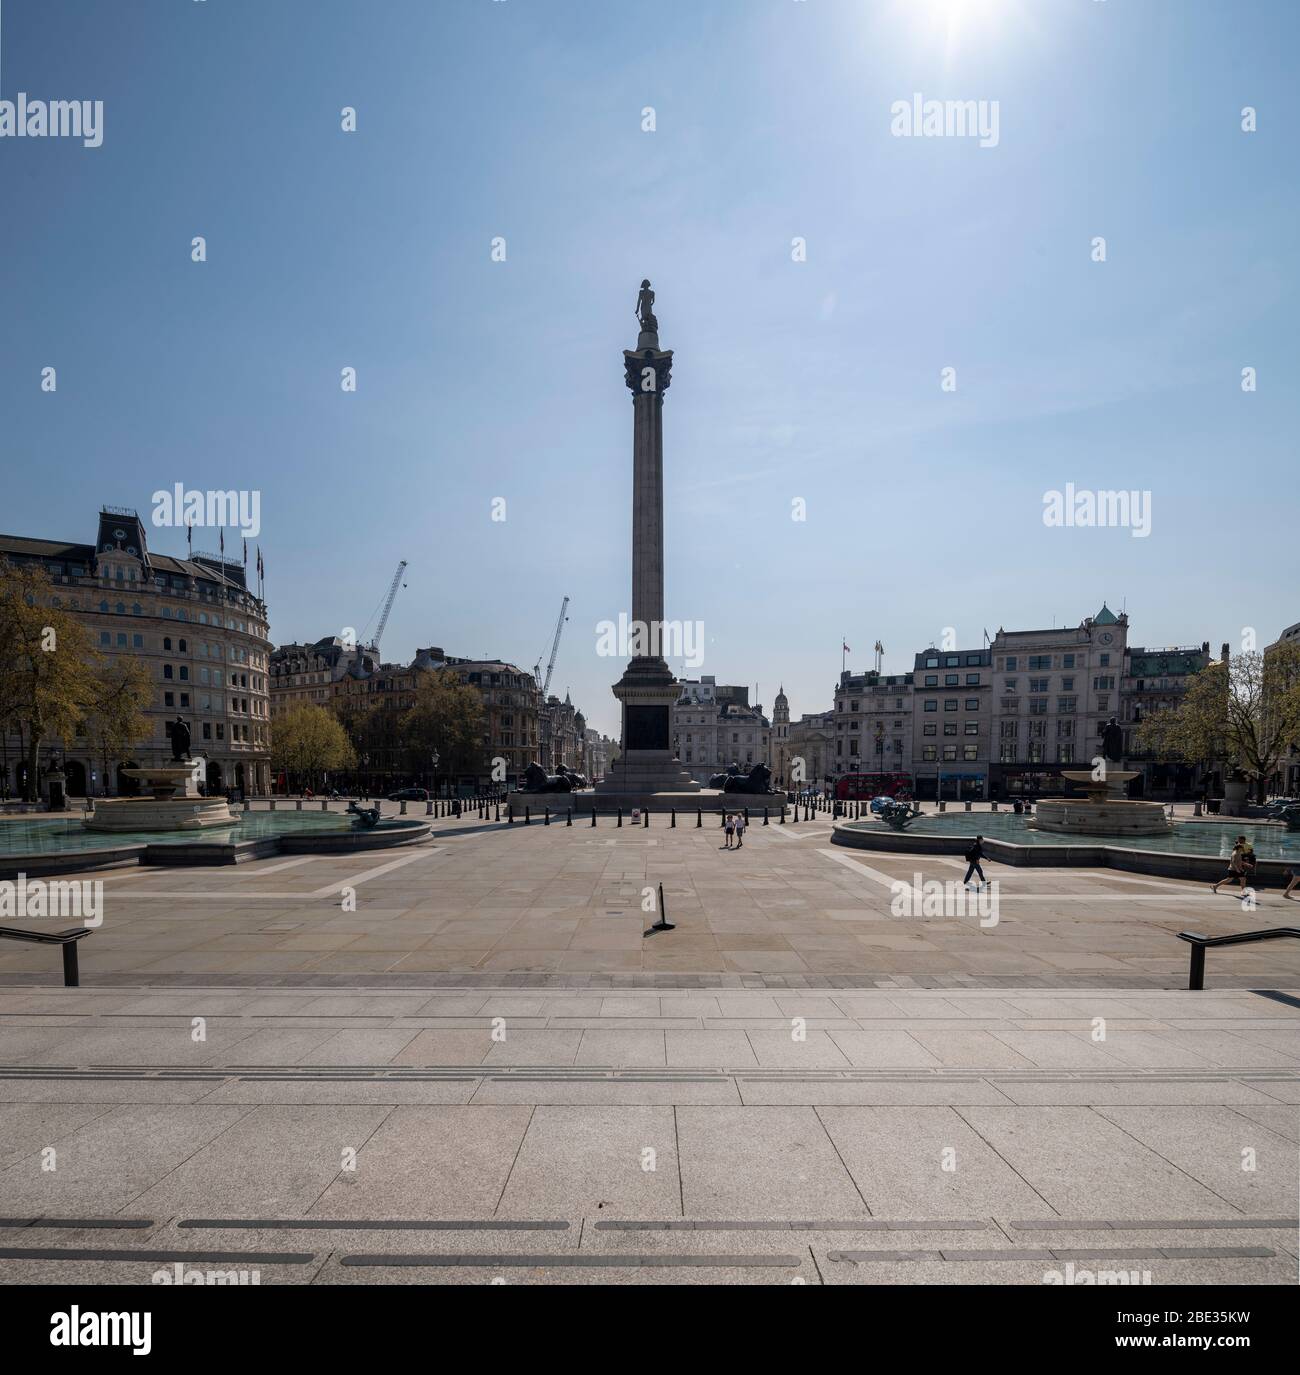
862,787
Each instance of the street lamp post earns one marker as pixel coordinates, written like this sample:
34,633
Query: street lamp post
433,759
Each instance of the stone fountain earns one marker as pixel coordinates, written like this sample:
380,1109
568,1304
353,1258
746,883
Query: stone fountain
174,804
1105,811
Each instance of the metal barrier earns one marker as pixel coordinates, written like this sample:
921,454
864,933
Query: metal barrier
1196,973
67,939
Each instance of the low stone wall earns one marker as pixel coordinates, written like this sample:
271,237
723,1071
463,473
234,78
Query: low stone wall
38,865
1086,854
199,853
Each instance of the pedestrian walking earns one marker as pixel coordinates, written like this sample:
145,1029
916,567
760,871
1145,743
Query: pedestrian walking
731,831
1236,866
973,857
1292,882
740,829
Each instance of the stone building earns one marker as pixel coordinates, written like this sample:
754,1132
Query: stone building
561,736
714,725
1054,691
810,761
1287,783
952,723
778,743
1153,680
350,681
200,633
873,724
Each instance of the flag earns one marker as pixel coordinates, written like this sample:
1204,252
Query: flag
223,545
259,560
245,555
845,648
880,649
189,536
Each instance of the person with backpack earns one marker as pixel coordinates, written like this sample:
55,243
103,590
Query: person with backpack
973,857
1236,867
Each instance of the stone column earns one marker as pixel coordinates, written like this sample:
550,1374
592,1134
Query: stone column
648,372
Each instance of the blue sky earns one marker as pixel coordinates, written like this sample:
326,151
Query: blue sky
817,380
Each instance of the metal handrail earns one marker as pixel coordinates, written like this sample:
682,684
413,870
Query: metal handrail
1196,973
67,939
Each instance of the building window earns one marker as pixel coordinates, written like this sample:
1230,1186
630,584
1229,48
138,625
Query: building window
932,680
950,704
972,728
950,728
972,704
931,704
931,729
950,751
929,753
167,671
970,752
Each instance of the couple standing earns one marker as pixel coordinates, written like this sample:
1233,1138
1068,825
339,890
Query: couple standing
735,826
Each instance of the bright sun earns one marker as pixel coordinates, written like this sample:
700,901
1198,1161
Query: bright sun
951,22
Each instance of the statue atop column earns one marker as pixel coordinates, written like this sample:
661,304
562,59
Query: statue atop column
645,302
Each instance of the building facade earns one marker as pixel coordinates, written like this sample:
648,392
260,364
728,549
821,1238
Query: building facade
952,724
200,634
810,761
1054,691
1287,783
778,741
1154,680
714,726
873,723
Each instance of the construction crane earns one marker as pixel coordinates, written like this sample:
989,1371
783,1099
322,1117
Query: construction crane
388,606
555,649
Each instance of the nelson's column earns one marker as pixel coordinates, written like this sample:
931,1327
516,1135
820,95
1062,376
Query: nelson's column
646,773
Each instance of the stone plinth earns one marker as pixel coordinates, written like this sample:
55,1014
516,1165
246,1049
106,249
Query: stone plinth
660,801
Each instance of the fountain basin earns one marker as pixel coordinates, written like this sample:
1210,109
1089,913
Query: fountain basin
1105,811
174,804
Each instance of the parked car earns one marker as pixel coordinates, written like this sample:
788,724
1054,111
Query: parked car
409,795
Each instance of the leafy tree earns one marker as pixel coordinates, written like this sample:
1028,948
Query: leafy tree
1245,713
306,741
53,680
116,719
447,716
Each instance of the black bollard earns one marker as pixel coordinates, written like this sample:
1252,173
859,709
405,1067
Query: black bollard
593,818
645,819
528,816
510,816
498,811
663,924
699,818
569,822
620,816
764,816
673,823
547,822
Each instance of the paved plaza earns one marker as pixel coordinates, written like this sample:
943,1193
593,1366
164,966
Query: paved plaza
485,903
487,1072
